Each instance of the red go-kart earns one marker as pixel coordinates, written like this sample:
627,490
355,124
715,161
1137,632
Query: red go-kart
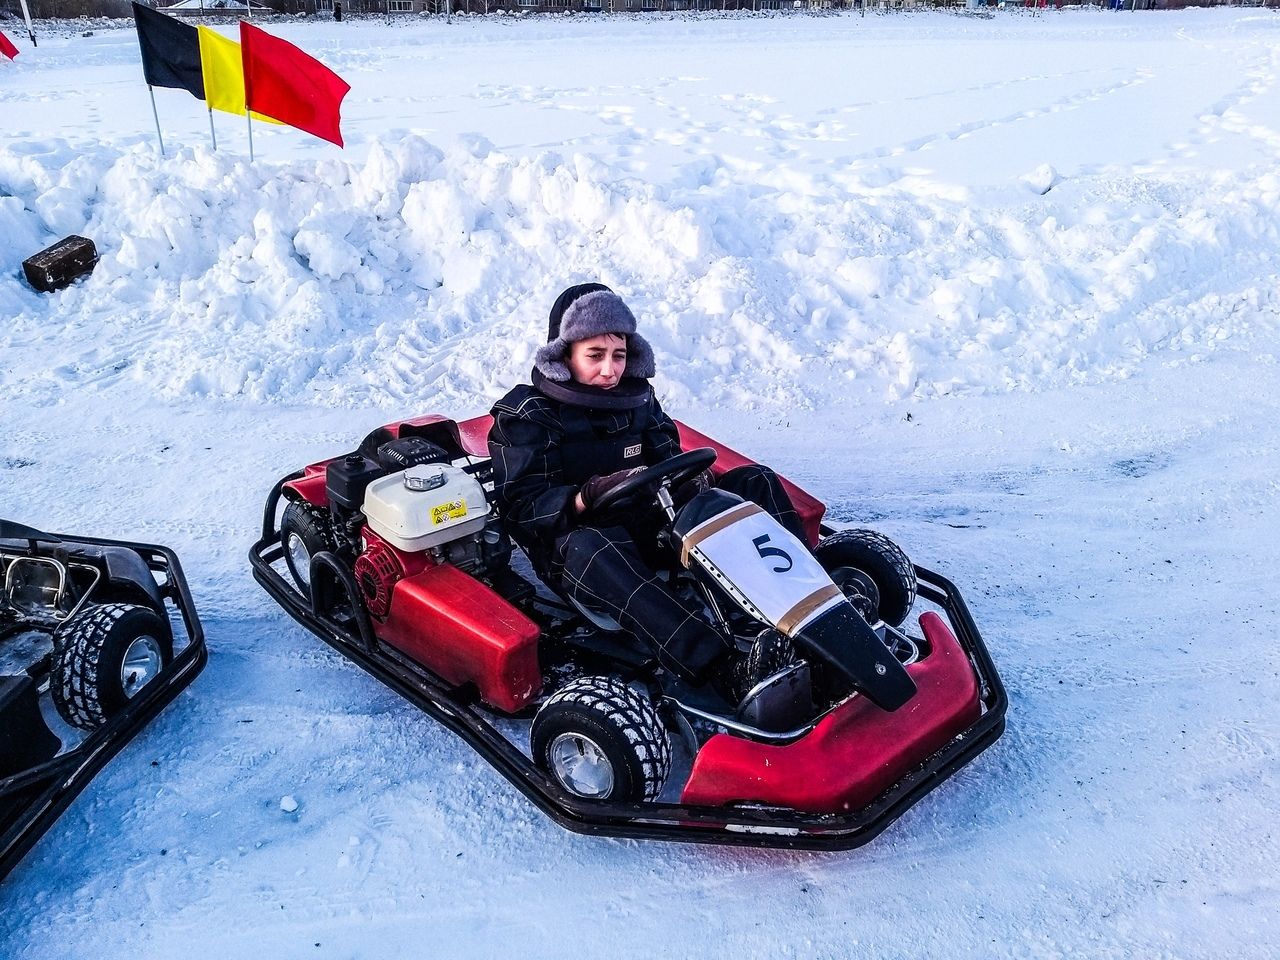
396,554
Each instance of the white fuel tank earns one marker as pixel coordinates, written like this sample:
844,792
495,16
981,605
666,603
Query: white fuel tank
425,506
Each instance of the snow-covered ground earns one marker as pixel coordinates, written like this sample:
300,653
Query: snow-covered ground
1002,288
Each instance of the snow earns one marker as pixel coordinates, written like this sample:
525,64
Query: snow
1001,288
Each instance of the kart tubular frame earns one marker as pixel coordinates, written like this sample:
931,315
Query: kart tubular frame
50,787
458,709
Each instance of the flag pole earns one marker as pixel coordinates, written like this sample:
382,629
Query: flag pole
152,91
248,115
31,31
213,133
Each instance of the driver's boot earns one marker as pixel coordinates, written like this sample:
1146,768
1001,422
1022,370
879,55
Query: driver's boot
738,673
771,652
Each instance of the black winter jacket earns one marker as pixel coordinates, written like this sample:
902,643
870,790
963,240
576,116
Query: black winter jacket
544,449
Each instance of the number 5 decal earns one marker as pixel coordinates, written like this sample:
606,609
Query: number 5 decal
767,552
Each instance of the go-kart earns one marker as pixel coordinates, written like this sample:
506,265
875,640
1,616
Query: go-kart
87,659
396,555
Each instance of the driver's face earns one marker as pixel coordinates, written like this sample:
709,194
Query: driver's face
598,362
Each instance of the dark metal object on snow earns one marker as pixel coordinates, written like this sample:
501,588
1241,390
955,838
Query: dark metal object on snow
57,266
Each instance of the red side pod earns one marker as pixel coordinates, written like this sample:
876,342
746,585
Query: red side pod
809,508
856,752
457,627
311,485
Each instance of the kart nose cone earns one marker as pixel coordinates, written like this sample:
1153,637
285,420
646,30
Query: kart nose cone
855,753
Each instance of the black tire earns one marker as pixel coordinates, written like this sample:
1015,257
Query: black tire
604,720
305,530
879,558
103,657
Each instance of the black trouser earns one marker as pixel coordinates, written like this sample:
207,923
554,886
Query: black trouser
604,568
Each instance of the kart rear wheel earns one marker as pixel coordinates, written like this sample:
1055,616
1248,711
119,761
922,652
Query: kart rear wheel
880,559
305,530
601,740
103,658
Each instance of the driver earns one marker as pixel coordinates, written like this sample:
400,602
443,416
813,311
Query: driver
588,421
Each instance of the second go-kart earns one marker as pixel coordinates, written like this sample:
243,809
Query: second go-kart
88,656
396,554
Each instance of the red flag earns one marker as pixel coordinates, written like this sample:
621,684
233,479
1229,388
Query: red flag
6,46
282,82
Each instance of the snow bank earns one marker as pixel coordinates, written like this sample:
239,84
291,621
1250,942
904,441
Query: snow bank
422,276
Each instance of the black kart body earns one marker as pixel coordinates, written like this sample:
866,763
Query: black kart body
89,655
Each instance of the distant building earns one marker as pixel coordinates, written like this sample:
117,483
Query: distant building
200,8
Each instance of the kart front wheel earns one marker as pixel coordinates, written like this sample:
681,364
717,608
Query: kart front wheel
103,658
601,740
305,530
881,560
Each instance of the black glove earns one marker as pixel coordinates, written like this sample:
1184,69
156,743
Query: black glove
691,488
598,486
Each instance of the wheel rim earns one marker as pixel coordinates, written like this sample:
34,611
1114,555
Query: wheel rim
142,662
299,558
860,589
580,764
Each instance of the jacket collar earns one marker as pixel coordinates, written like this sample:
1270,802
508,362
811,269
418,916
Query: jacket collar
630,394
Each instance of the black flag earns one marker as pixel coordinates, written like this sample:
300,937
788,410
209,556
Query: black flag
170,51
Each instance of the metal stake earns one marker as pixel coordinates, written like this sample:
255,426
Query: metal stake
31,31
152,91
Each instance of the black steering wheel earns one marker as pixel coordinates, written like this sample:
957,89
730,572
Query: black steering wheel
675,471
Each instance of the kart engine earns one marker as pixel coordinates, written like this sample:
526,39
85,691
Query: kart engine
379,567
425,506
377,571
435,509
402,504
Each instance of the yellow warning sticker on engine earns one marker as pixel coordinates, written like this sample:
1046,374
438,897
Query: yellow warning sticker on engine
453,510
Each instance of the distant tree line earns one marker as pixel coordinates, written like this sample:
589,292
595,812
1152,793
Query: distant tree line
66,9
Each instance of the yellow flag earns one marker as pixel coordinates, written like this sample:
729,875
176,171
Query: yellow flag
223,71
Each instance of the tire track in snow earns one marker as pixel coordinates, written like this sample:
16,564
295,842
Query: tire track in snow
1228,116
965,130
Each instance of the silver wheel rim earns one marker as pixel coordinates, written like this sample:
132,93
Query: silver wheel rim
142,661
300,558
580,764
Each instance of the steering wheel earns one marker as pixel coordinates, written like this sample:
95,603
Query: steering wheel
675,471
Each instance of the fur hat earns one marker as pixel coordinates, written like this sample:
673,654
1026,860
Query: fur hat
585,311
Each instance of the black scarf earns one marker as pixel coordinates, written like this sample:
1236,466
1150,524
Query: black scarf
630,393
